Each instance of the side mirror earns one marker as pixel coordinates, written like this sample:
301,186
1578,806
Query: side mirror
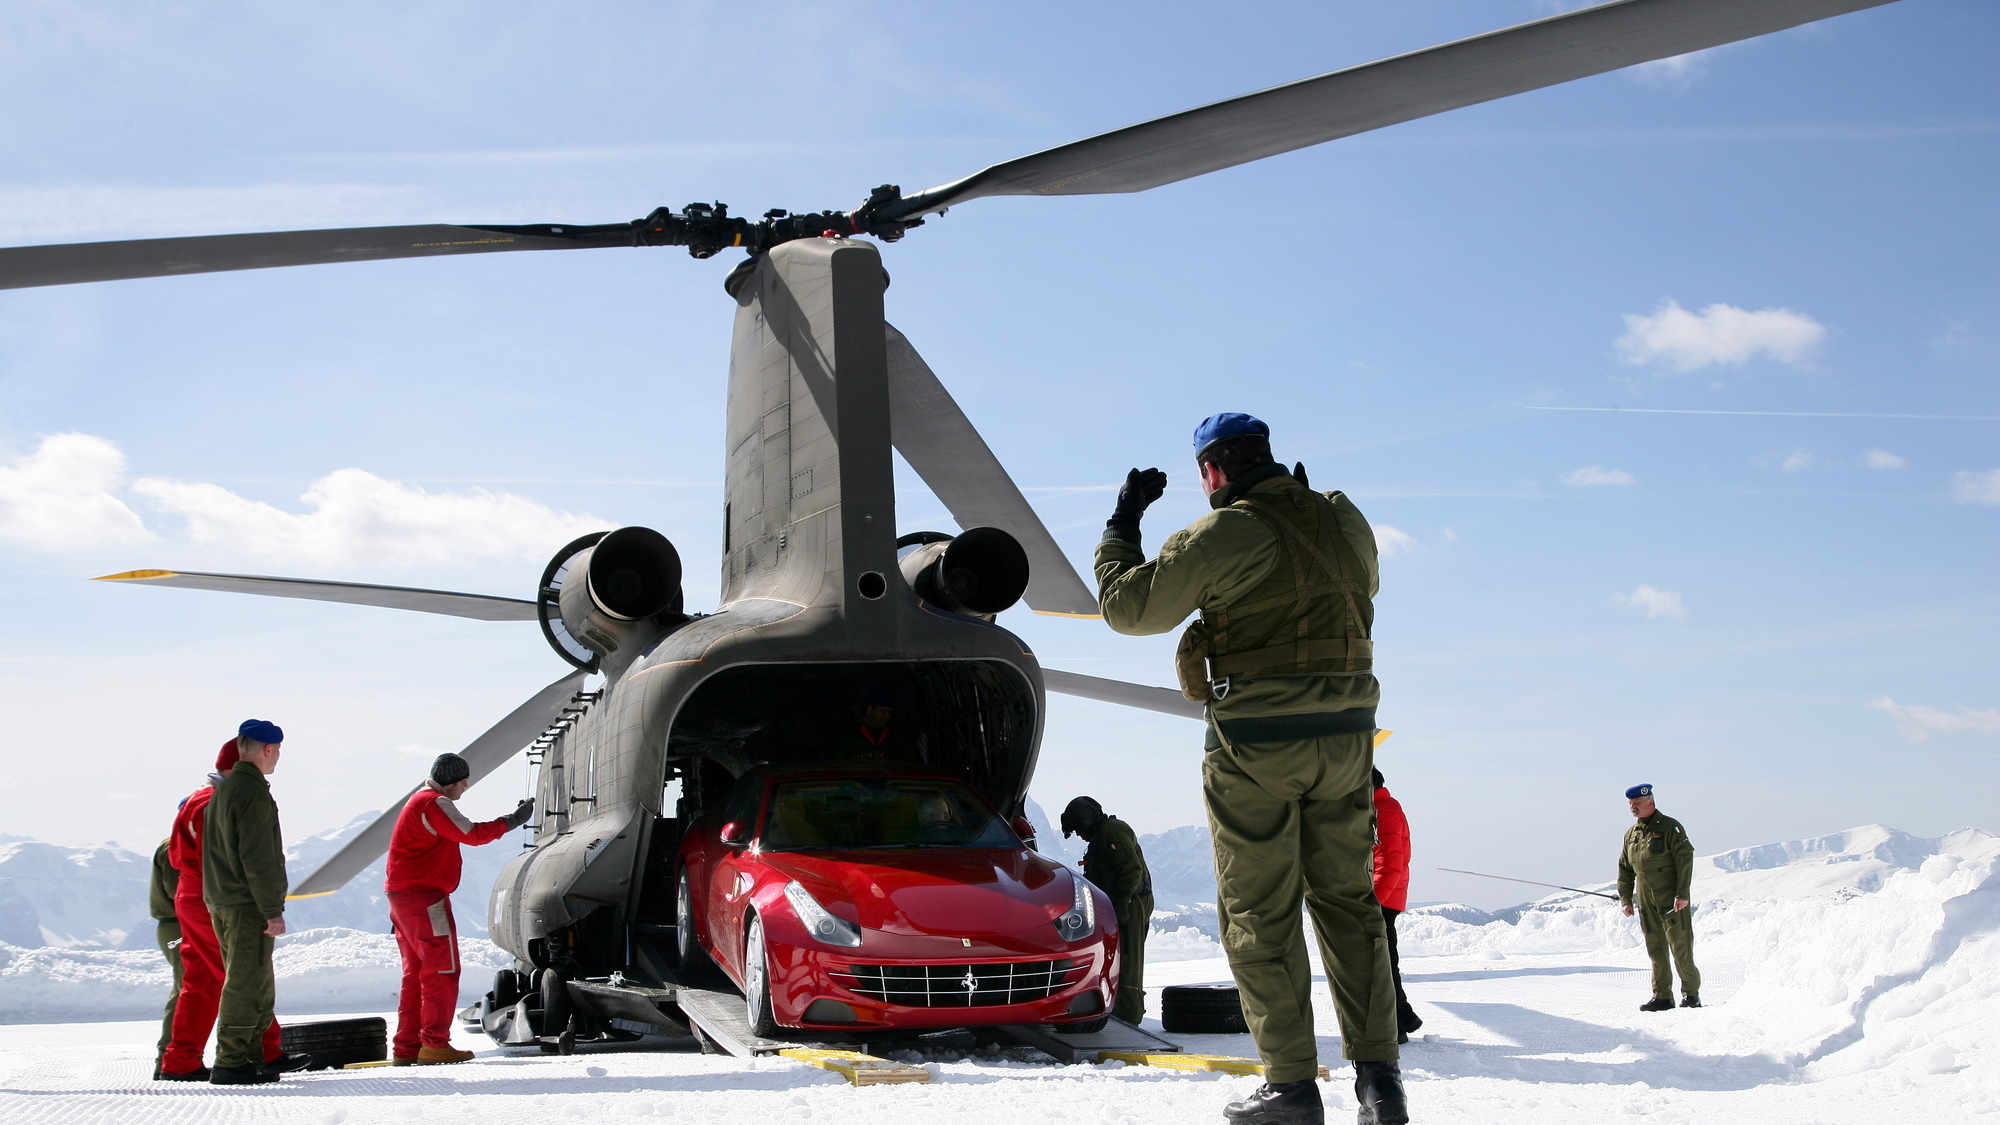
1025,829
734,833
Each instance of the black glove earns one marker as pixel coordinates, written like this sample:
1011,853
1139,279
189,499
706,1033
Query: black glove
521,813
1142,487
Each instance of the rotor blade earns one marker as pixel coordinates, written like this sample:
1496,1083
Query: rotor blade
1166,701
486,753
938,441
1312,111
25,266
479,607
1530,882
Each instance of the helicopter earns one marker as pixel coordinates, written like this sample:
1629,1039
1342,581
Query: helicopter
819,596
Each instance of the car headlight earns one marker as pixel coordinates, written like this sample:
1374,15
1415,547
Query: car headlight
822,925
1081,921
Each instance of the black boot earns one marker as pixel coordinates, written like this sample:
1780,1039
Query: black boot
1278,1103
198,1074
287,1063
1690,1001
1658,1004
240,1076
1378,1086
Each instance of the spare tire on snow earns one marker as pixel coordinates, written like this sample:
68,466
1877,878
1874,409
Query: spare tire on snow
333,1043
1202,1009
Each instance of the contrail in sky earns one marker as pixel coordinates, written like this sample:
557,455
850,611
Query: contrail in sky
1773,413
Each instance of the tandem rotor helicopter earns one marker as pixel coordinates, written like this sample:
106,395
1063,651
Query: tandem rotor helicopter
821,601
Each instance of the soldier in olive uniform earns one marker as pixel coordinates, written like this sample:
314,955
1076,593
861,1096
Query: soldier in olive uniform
1117,866
1284,578
1655,870
244,884
167,931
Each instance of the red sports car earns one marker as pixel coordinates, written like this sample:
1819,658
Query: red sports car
865,898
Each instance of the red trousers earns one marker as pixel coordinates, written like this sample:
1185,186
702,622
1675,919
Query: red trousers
201,991
428,939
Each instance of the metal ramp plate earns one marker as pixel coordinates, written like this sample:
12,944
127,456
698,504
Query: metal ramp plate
1088,1046
720,1016
857,1068
1226,1064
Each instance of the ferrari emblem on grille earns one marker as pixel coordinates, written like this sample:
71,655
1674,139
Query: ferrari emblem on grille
967,941
970,982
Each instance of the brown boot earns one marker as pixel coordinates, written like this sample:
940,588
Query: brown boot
432,1056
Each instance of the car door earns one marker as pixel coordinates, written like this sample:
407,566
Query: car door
730,877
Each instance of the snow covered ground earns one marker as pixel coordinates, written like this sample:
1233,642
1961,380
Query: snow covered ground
1852,978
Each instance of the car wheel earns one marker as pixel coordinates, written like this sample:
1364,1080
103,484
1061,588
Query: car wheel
687,944
757,982
1201,1010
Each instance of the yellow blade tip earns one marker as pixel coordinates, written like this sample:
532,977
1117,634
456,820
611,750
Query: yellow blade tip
133,575
315,894
1382,736
1060,613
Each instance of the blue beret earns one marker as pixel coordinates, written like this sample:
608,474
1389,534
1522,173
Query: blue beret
261,730
1222,427
1638,791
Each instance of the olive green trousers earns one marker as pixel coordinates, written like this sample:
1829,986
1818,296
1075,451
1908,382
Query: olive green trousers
168,934
249,987
1135,919
1294,824
1669,931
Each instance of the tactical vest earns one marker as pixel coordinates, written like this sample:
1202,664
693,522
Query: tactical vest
1310,616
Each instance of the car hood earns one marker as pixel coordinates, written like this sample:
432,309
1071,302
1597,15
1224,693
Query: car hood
946,891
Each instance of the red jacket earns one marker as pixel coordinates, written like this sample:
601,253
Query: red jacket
423,851
1392,852
184,842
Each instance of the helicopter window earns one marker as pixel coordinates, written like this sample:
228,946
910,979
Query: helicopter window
881,812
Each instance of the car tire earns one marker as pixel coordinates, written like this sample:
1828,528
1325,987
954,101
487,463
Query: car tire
757,981
691,956
1187,1009
334,1043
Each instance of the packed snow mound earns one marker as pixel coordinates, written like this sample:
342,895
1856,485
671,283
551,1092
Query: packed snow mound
321,970
1731,890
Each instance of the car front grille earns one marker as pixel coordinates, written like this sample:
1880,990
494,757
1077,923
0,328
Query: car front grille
960,986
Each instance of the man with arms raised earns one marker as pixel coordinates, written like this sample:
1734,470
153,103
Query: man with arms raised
424,866
1284,579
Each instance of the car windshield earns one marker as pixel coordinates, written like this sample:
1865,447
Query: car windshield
881,812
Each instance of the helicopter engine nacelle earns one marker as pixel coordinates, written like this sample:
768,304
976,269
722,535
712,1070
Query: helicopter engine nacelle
979,572
607,590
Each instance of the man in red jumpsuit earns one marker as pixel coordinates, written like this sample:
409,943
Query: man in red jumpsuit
424,866
1392,891
201,953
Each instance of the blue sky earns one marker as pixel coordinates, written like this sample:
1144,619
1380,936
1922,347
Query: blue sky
1771,599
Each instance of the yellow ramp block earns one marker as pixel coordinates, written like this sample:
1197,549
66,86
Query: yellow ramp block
1226,1064
857,1068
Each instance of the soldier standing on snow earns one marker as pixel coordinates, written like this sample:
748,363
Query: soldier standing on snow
1116,864
1657,862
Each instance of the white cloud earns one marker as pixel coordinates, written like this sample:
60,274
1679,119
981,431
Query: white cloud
1882,459
60,497
1717,334
1916,722
1676,73
356,517
1592,475
1796,461
67,496
1393,541
1976,488
1654,602
1450,536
